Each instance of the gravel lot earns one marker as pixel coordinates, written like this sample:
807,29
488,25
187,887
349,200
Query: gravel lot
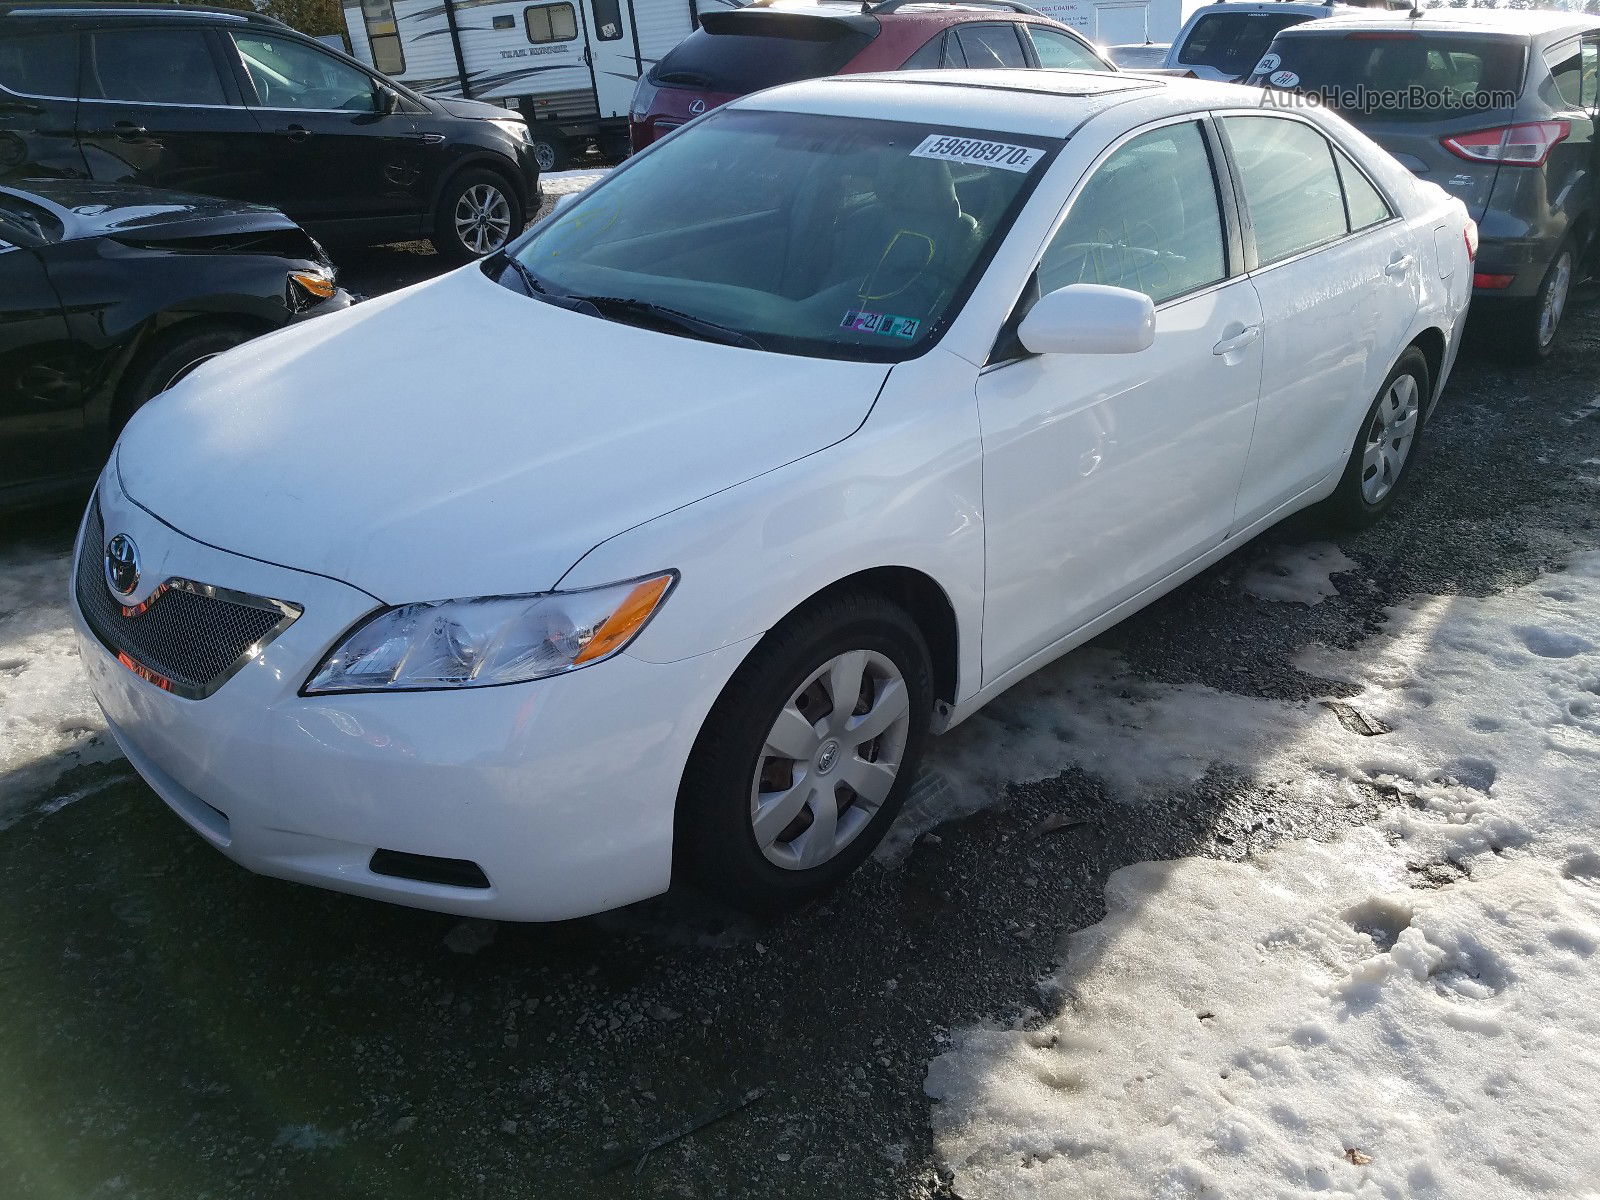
177,1028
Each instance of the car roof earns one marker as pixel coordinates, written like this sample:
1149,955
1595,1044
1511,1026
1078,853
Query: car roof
1047,103
1513,22
928,12
139,10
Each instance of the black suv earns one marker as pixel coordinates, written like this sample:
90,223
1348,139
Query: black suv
238,105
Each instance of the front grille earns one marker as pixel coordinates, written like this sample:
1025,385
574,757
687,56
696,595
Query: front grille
187,638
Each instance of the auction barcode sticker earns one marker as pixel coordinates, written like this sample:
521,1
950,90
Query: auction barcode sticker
978,153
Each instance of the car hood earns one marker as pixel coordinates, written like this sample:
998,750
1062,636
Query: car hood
89,208
459,439
475,109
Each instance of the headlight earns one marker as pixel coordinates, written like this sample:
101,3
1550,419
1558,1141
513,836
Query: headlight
489,641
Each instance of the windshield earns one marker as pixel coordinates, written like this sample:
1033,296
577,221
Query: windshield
836,237
1232,42
1400,76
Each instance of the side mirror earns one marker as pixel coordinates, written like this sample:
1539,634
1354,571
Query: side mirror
388,100
1089,318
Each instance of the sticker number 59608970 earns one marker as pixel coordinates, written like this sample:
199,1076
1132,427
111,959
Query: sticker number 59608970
977,152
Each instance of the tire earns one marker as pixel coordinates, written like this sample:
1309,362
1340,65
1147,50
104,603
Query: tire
732,836
166,361
1379,465
550,152
1529,336
478,213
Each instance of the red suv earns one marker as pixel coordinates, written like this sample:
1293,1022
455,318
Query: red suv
744,50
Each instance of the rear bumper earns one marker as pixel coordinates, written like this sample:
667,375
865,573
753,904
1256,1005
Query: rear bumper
1524,259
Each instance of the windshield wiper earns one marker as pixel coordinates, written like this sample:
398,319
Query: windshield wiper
707,331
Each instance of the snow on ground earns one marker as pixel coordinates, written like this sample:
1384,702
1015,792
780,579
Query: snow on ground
1297,574
1411,1010
48,720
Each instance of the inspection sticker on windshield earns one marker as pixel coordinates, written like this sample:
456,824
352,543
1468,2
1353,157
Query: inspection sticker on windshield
885,323
977,153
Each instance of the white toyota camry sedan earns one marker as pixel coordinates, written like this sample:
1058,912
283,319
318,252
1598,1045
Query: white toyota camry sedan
660,543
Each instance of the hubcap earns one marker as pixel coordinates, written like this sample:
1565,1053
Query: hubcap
483,218
544,156
1389,438
1555,298
830,760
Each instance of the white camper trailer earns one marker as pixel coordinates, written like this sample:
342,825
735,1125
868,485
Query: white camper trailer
569,66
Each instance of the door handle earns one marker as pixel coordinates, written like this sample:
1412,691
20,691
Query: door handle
126,130
1232,345
1398,267
295,133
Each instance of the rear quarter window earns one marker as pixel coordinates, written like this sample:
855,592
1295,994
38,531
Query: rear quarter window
740,53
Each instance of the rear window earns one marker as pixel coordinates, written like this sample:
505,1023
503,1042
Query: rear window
1233,42
1398,76
739,52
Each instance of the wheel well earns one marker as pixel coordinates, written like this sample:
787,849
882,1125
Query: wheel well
495,167
1431,342
926,603
157,337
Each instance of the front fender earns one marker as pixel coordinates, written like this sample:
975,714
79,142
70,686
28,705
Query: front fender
905,490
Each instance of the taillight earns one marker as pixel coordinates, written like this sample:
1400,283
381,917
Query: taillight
1493,282
1515,145
1470,233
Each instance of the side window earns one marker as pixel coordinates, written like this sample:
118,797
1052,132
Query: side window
1364,203
40,64
1566,68
293,75
928,57
1148,219
1591,68
152,66
607,19
550,23
1059,52
383,35
1291,187
990,46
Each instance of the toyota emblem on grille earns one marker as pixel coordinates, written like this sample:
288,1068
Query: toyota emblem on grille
697,107
122,565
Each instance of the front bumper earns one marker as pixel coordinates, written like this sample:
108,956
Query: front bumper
562,790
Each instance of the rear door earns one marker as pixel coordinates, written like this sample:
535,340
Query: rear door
158,108
333,154
1335,304
1373,78
38,102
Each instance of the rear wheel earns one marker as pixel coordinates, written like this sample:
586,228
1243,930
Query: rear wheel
1385,448
1530,335
478,213
807,755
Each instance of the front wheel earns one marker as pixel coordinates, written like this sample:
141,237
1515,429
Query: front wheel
167,361
807,755
477,215
1384,450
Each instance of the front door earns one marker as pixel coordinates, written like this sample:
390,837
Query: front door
157,109
613,54
1103,474
334,153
